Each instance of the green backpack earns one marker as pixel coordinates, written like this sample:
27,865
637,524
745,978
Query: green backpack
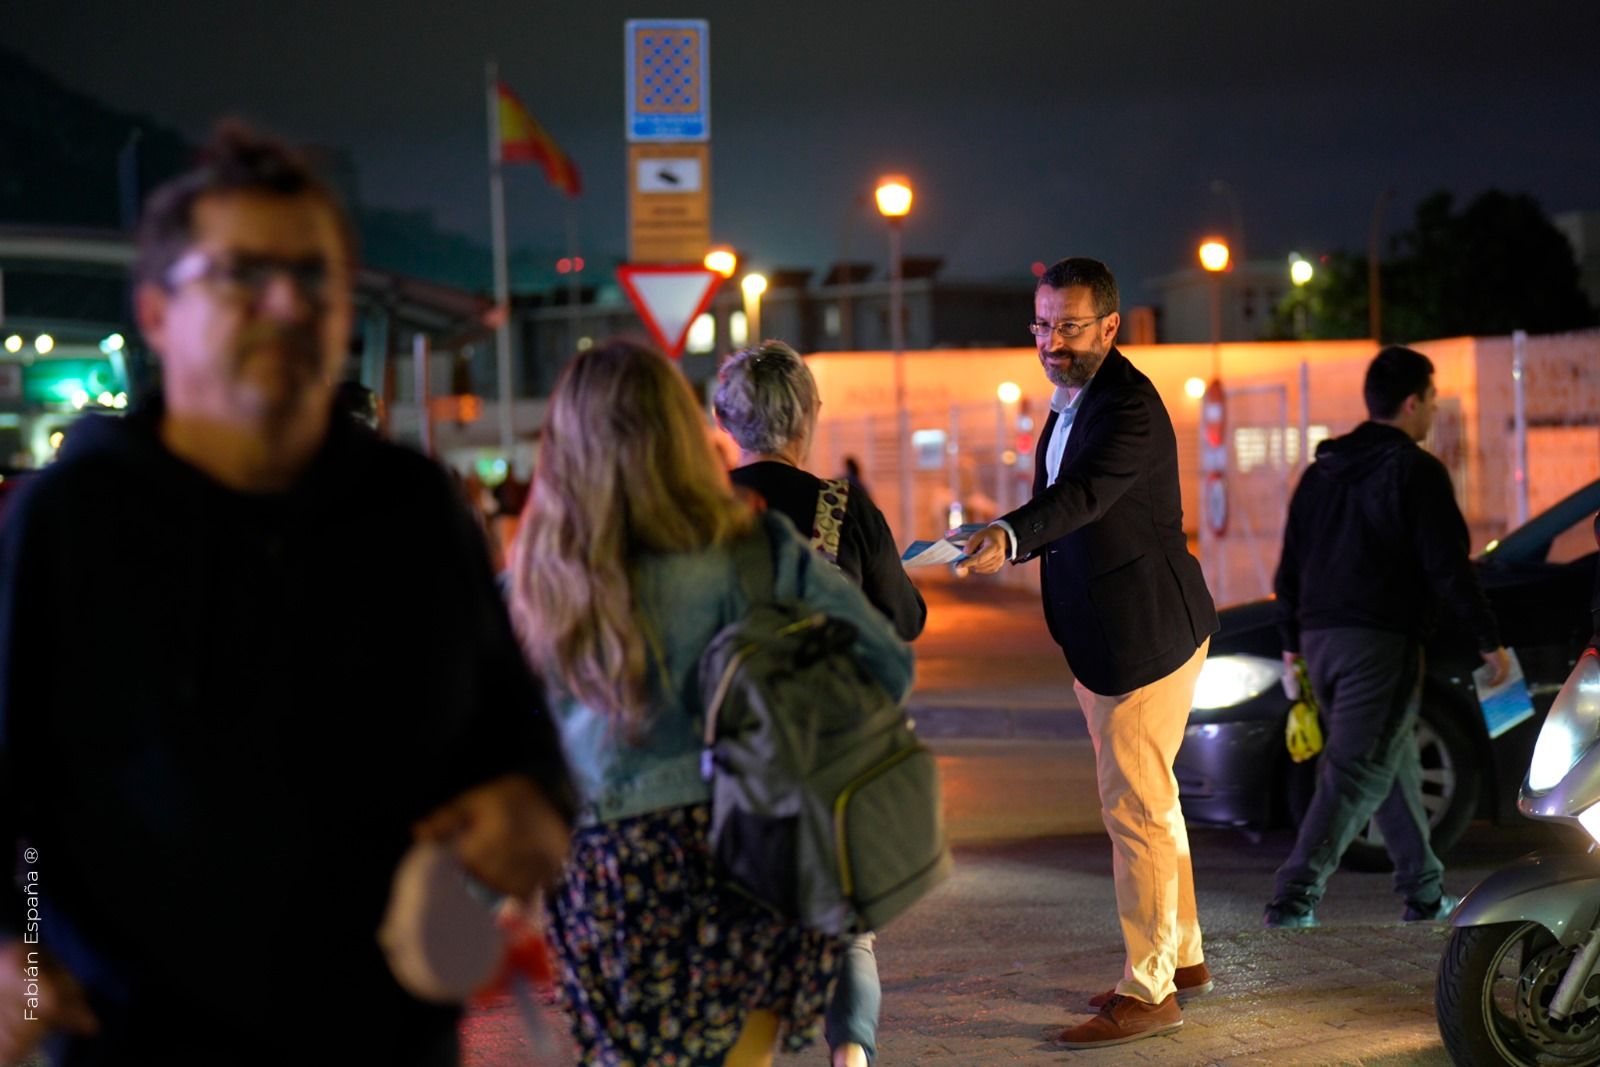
825,806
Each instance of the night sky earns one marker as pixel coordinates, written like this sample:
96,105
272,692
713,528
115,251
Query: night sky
1031,131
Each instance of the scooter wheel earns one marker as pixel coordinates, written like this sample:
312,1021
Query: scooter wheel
1493,996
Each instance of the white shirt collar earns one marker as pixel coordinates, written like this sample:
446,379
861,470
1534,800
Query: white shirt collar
1065,397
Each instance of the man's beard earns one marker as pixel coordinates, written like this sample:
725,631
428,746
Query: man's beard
1074,373
286,375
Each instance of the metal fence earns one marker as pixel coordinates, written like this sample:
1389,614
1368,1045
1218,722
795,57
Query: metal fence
1518,427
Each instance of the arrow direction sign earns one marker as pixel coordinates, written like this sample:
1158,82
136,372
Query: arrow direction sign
669,298
669,176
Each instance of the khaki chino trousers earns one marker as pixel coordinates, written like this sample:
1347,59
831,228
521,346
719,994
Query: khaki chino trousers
1136,738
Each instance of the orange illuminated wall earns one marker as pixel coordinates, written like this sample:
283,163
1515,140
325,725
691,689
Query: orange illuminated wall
856,385
1472,434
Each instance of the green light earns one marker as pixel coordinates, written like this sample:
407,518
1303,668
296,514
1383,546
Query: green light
60,381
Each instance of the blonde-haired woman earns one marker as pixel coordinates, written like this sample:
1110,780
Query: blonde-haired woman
622,576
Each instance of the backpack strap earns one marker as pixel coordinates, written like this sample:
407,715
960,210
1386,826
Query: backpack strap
829,521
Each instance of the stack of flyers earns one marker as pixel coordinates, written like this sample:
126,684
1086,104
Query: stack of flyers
945,550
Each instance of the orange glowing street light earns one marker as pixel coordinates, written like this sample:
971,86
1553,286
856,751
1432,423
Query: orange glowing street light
1214,254
894,204
1214,258
894,196
753,285
722,260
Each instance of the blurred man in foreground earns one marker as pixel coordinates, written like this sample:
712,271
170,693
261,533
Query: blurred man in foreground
248,653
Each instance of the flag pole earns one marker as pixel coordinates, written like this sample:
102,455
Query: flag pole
502,279
574,290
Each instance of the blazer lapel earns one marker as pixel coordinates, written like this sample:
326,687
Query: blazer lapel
1113,371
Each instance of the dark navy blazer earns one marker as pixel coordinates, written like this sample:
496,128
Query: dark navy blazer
1123,597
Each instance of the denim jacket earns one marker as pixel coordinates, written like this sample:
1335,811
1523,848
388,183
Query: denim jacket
685,598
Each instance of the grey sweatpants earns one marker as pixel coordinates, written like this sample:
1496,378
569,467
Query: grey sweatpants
1368,684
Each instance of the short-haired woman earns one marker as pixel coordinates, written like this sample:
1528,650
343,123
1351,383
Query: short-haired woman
767,401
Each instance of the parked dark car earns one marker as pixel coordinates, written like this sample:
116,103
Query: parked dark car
1234,768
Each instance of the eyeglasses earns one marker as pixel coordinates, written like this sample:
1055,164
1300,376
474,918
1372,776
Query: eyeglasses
246,277
1066,330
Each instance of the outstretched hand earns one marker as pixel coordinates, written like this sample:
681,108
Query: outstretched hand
506,833
1500,662
986,550
1291,677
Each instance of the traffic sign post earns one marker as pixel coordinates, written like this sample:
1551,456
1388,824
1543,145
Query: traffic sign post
668,127
668,92
1216,503
1214,483
669,202
669,297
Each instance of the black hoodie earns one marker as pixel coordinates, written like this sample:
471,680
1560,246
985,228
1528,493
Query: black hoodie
220,715
1375,539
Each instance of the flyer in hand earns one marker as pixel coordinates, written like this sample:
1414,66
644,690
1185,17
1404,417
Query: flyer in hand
1508,703
947,549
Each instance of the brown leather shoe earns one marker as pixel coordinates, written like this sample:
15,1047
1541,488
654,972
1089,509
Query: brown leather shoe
1124,1019
1192,981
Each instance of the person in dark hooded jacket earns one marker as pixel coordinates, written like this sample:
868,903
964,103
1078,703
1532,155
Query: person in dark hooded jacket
1373,547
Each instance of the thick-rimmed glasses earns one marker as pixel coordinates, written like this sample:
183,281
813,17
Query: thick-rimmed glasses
1067,331
246,277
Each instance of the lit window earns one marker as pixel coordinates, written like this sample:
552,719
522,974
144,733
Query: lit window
928,446
1249,448
738,329
702,333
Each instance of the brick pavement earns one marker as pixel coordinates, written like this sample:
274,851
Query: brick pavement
1359,994
964,992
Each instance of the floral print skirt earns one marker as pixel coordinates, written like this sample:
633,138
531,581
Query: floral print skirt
660,964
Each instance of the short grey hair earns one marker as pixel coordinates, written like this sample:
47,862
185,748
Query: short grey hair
766,397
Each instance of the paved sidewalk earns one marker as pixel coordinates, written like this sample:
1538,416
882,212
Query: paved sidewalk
1006,954
1352,995
1003,956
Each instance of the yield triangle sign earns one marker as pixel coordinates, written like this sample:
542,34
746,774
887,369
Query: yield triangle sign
669,298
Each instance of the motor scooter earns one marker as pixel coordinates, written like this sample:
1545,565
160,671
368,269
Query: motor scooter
1518,983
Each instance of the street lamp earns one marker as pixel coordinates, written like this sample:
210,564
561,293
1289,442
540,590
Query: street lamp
1300,272
753,285
1214,257
721,260
1214,254
1219,187
894,204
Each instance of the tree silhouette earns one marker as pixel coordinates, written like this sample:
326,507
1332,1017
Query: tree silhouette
1495,266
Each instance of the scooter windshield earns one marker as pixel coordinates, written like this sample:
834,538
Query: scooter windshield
1571,728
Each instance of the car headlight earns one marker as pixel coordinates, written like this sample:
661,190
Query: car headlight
1570,729
1229,680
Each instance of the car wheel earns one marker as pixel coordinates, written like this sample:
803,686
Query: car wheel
1451,779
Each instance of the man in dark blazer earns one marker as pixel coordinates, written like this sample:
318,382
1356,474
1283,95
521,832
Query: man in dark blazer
1128,605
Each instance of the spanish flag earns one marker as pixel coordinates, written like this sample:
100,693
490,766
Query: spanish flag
523,140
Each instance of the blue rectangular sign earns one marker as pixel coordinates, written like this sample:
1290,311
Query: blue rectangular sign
668,69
